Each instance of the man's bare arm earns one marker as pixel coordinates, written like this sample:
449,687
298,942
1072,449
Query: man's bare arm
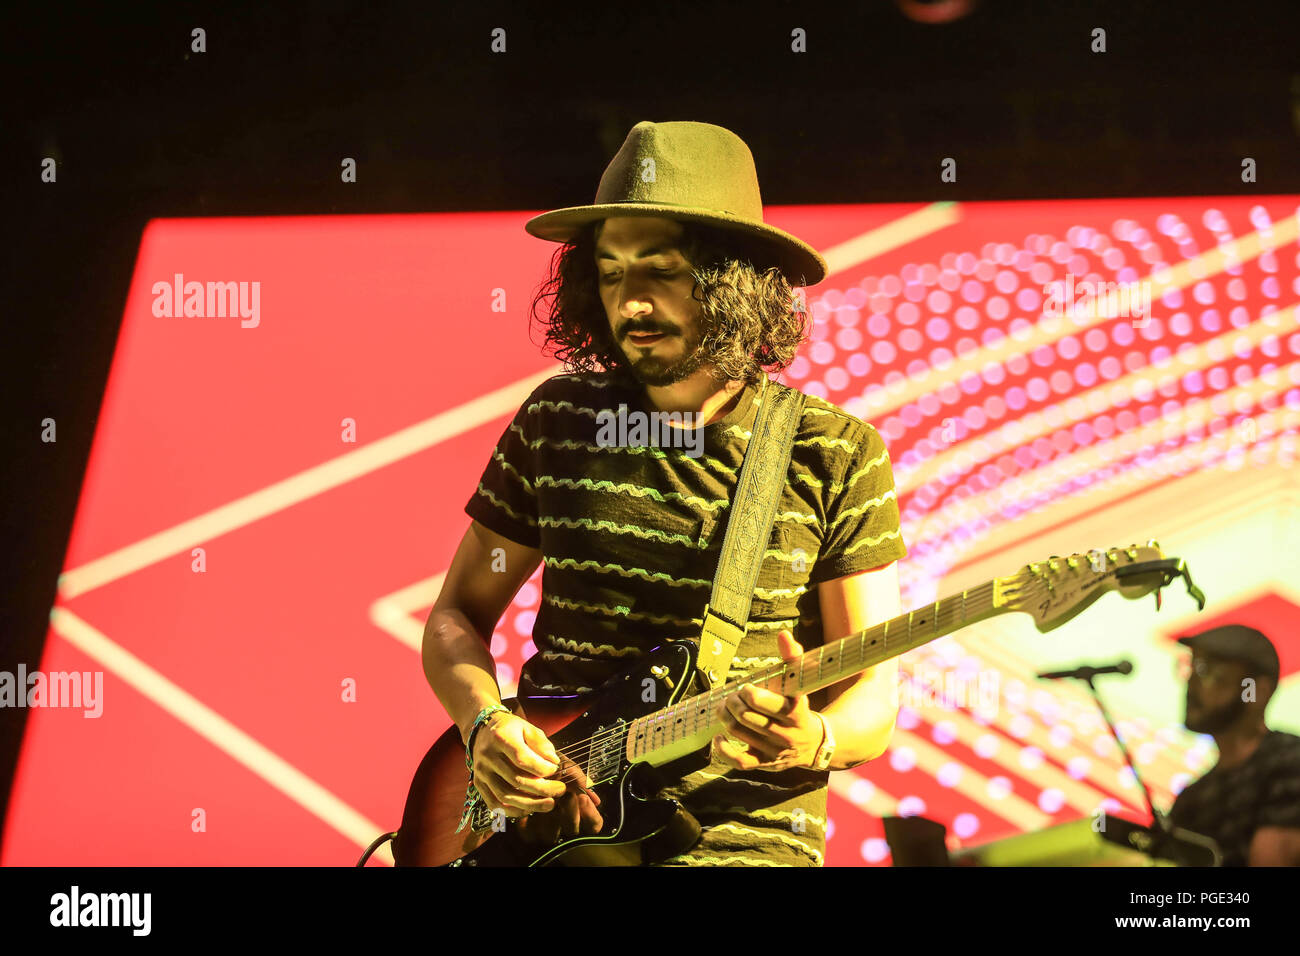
862,710
457,660
513,759
1275,846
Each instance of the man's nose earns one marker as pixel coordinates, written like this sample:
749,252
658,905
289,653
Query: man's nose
632,306
631,300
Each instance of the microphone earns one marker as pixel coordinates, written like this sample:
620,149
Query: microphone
1160,824
1088,673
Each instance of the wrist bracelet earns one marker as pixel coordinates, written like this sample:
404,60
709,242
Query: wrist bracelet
822,758
479,720
472,796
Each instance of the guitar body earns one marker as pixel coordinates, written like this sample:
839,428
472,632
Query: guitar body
638,829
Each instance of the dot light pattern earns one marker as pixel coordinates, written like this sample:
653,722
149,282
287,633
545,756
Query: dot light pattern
911,314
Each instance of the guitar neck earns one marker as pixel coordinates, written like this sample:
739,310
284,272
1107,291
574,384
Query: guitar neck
689,725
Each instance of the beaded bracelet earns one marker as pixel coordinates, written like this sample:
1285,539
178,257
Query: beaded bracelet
472,795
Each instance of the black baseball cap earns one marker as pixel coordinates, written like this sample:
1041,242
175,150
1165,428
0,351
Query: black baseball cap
1238,643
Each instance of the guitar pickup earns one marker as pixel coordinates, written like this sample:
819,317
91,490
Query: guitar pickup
606,752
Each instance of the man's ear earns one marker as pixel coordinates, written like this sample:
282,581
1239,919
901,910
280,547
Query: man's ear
1264,691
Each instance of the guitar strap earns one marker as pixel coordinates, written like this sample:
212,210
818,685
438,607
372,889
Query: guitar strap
749,528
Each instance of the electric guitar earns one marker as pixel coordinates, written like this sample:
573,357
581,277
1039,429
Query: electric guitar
620,732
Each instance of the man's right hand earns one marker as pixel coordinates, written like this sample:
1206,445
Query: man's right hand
512,759
519,772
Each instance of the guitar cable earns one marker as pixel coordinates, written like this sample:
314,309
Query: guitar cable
380,841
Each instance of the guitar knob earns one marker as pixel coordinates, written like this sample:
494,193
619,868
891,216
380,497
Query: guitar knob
661,671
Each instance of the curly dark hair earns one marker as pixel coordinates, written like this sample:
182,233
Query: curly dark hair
751,318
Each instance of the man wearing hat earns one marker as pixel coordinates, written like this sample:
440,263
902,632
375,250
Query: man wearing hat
671,295
1249,802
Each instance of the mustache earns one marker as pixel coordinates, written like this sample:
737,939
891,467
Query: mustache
639,325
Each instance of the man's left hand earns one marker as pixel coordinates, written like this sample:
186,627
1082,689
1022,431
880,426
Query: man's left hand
766,730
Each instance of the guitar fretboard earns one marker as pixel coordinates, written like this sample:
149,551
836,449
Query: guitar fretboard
690,724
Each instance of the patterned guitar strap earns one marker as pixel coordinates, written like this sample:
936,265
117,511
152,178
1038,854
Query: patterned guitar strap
749,528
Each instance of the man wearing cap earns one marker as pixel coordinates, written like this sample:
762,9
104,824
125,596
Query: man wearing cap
672,295
1249,802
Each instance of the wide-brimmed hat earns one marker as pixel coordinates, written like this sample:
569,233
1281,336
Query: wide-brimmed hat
684,170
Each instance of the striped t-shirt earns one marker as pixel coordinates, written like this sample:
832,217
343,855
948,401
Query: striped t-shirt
630,537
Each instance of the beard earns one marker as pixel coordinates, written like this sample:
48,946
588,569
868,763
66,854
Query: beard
650,368
1213,721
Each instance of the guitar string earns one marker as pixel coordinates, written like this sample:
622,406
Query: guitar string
581,750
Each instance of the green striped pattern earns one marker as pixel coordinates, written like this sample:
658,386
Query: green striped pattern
630,540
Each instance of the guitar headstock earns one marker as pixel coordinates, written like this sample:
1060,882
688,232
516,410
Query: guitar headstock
1055,590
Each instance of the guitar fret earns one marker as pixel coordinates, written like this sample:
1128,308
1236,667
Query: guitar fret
833,662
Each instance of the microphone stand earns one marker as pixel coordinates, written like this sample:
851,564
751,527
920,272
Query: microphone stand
1160,824
1161,840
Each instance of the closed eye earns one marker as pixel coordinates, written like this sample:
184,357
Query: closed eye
609,277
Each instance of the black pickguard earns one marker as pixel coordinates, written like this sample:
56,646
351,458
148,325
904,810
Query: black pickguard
638,829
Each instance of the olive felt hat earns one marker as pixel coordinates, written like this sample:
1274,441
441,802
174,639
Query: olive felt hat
684,170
